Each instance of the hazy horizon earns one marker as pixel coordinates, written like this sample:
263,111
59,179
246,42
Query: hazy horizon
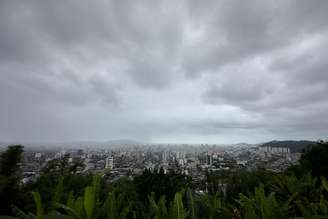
216,72
117,142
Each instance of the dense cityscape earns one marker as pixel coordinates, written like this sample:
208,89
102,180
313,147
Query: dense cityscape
176,181
192,160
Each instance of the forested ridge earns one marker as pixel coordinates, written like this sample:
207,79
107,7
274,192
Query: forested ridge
60,192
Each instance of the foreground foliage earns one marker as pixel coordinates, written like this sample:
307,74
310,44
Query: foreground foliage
153,194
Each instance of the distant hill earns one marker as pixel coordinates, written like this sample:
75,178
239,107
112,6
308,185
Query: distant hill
294,146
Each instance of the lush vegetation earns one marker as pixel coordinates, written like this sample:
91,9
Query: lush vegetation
59,192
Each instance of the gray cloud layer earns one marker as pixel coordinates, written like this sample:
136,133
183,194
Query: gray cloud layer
186,71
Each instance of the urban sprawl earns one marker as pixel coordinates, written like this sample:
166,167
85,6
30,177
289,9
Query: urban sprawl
192,160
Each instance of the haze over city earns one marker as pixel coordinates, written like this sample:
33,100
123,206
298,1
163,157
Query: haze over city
163,71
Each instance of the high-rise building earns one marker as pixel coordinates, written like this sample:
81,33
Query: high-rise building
209,159
109,163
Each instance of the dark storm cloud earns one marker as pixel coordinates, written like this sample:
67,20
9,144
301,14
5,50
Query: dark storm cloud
309,67
104,90
238,30
163,70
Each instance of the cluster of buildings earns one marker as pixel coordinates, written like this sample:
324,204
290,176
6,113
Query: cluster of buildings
274,159
192,160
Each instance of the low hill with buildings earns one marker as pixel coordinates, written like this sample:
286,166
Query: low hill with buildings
294,146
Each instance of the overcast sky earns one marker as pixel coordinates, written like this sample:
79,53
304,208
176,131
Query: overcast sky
163,71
